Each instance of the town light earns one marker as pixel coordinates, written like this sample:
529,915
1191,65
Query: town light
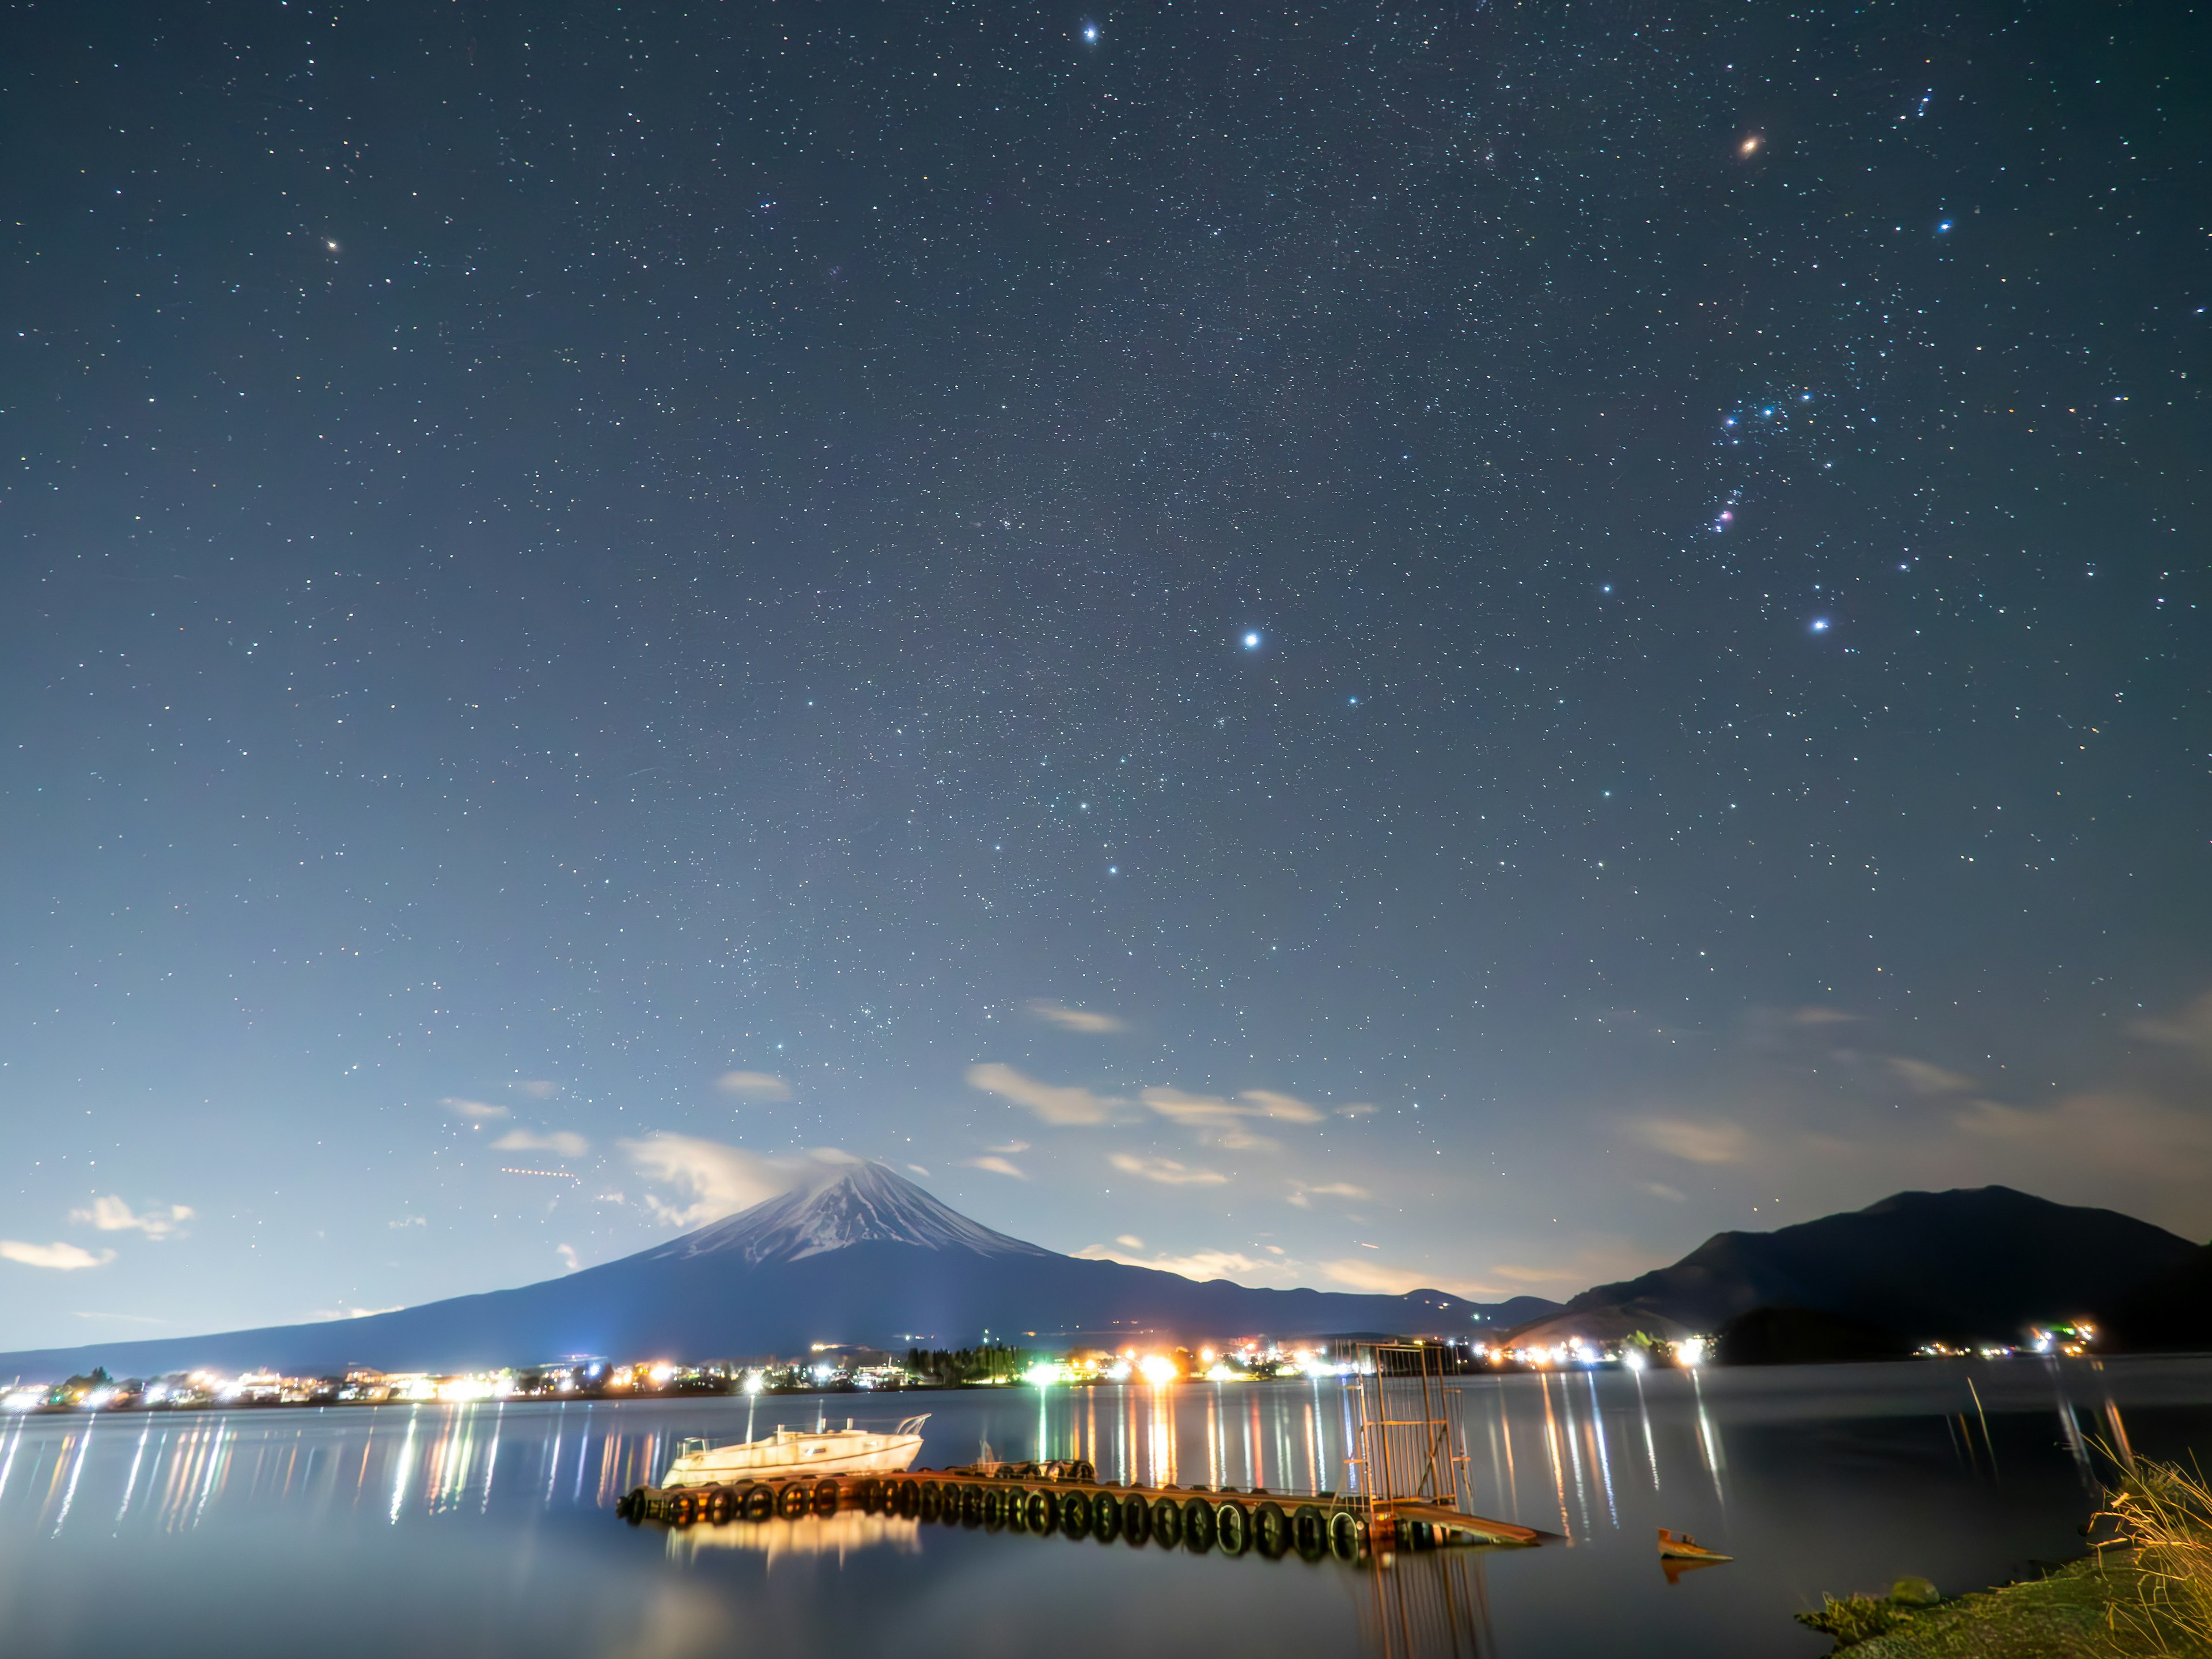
1691,1351
1156,1369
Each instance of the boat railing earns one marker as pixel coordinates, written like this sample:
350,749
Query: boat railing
911,1425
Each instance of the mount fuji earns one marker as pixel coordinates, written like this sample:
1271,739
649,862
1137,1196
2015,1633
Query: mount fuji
863,1257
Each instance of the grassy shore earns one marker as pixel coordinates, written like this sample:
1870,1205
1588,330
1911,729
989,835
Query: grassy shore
2147,1594
2088,1610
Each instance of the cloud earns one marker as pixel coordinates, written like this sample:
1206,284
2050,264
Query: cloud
539,1088
1287,1109
568,1255
2142,1140
63,1257
1926,1079
1130,1241
1010,1148
764,1086
1818,1016
2191,1030
408,1221
1303,1196
1221,1120
1695,1143
556,1141
112,1215
324,1316
1051,1101
995,1165
710,1180
1356,1108
1076,1019
919,1170
1661,1190
1199,1264
1166,1171
477,1111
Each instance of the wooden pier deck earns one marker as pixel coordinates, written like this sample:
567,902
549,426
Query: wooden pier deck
1068,1498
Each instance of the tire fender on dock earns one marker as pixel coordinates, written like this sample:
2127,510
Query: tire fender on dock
1344,1534
1309,1531
1270,1530
758,1503
1136,1518
1105,1517
1231,1528
1042,1512
1075,1514
1167,1523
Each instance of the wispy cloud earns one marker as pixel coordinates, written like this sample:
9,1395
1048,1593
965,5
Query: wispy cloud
408,1221
568,1255
1052,1102
1818,1016
2146,1141
2191,1030
1714,1142
1076,1019
563,1141
539,1088
477,1111
325,1316
764,1086
1924,1078
995,1165
1166,1171
1218,1110
112,1215
1303,1196
64,1258
1199,1264
710,1180
1661,1190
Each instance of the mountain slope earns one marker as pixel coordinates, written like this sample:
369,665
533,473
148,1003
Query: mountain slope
868,1257
2172,1311
1970,1262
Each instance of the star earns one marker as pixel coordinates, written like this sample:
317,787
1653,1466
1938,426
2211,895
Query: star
1252,640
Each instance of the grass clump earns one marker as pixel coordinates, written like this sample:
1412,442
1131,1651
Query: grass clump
1852,1619
2162,1516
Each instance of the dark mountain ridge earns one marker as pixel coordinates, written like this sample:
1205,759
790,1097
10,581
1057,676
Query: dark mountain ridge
1972,1262
865,1257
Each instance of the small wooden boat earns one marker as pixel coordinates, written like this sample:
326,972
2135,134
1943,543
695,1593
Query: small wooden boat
1687,1548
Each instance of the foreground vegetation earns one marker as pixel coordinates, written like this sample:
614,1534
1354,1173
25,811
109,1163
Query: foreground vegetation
2145,1594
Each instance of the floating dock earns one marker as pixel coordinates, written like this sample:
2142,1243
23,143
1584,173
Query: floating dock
1068,1498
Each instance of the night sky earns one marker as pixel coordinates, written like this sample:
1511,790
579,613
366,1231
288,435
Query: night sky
1349,644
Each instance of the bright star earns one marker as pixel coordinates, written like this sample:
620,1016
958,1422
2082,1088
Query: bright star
1091,34
1252,642
1819,624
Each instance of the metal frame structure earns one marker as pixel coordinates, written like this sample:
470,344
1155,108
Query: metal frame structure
1409,1443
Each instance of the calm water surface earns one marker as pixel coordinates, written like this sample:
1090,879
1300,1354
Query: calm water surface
487,1528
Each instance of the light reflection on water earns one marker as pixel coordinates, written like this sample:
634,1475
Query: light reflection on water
411,1524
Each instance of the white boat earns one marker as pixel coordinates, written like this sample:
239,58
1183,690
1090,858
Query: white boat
791,1452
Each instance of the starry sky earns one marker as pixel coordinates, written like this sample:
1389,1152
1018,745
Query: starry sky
1360,645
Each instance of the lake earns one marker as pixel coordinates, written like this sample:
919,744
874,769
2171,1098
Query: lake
487,1528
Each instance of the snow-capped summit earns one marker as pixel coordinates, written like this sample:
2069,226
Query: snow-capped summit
860,1204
